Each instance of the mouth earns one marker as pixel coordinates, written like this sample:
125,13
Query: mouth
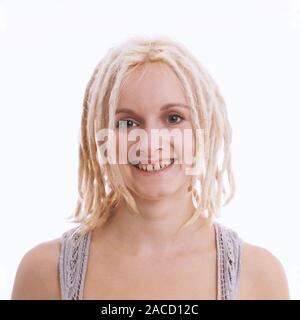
156,168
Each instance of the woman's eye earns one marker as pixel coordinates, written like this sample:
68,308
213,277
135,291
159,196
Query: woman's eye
173,118
125,123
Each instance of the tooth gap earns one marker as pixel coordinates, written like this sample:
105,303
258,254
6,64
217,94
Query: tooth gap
161,166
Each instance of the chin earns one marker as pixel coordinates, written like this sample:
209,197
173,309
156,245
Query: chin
155,192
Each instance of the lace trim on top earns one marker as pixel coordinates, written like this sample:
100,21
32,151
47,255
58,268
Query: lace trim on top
229,252
75,249
73,263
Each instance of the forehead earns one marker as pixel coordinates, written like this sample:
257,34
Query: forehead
151,86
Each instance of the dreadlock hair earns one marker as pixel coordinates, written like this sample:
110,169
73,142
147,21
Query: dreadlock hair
100,186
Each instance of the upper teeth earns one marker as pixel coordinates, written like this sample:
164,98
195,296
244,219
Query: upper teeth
154,167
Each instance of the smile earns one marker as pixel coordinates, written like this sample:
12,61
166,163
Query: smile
154,168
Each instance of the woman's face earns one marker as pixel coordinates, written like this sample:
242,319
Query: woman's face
145,105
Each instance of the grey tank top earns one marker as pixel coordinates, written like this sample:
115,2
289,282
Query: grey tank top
74,251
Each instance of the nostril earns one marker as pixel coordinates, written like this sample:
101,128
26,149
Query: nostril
133,162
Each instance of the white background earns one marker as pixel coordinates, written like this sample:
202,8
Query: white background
48,50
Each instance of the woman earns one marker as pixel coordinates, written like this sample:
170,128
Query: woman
147,226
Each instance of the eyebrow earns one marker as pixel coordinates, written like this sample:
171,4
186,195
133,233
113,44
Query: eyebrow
164,107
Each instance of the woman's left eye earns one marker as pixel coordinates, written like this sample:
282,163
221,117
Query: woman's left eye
173,118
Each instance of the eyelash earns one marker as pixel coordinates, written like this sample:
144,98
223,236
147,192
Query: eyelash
172,114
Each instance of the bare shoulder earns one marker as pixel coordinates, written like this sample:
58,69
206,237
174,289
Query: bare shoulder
262,275
37,274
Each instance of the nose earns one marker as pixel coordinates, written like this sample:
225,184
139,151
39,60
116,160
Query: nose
154,144
149,145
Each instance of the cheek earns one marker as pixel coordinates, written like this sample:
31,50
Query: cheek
122,146
122,153
188,149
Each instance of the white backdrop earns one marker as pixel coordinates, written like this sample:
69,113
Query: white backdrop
48,50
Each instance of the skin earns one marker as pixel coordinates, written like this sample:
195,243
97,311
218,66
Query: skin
155,230
148,248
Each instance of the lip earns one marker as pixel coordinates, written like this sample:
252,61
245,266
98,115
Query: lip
157,161
154,173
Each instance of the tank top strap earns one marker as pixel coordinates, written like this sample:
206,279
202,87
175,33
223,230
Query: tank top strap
73,263
229,251
74,257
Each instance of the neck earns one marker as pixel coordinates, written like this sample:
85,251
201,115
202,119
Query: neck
156,230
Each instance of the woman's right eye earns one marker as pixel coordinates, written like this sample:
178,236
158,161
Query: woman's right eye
128,123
